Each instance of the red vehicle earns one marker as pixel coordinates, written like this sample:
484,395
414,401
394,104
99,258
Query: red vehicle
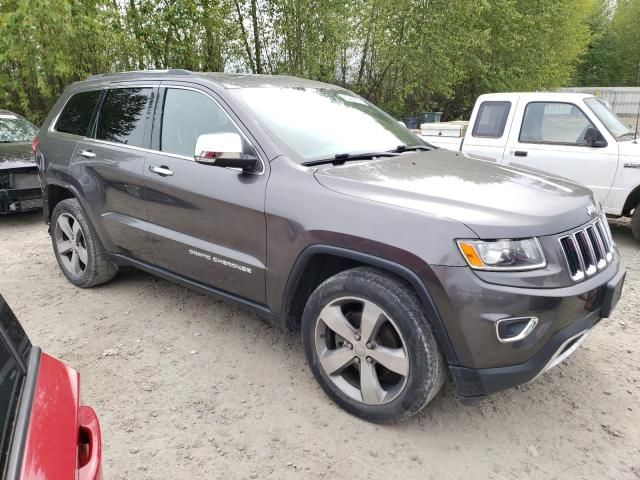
44,432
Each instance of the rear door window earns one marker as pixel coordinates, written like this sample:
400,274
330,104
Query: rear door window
491,119
76,114
123,116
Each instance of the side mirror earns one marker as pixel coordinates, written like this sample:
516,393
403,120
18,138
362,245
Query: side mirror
594,138
223,150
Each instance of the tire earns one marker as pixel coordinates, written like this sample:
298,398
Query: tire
635,223
347,364
77,248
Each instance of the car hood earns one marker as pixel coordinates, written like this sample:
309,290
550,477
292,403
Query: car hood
493,200
16,155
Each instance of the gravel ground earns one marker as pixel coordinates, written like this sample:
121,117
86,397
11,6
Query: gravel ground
187,386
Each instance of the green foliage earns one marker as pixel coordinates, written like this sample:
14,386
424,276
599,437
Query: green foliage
626,41
46,44
405,55
613,57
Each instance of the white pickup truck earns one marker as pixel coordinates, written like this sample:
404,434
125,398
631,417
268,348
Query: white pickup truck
571,135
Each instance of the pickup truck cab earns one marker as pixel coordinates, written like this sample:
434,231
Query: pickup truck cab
570,135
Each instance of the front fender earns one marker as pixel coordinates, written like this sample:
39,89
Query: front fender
401,271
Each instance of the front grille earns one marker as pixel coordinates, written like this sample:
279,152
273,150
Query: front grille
588,250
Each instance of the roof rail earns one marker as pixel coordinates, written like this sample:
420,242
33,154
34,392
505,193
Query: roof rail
172,71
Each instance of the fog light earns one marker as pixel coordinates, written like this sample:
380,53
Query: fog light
515,329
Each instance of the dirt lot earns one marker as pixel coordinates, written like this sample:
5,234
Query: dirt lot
190,387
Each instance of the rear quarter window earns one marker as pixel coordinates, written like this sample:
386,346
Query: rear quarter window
491,119
77,112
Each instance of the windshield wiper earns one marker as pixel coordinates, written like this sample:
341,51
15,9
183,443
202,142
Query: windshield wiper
412,148
341,158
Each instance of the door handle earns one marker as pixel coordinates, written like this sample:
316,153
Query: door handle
86,153
520,153
162,171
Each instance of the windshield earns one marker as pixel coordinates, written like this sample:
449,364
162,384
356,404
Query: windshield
320,123
14,129
611,121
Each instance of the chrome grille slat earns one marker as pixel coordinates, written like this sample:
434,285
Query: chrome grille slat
598,246
605,237
587,250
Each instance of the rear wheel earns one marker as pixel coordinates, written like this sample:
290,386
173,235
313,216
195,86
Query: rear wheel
370,346
78,251
635,223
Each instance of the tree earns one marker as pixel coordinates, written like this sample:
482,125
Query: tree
625,41
405,55
47,44
613,57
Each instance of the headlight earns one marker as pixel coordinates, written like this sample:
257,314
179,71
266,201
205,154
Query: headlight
525,254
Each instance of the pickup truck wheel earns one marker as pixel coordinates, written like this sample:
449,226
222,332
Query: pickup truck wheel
635,223
78,251
370,346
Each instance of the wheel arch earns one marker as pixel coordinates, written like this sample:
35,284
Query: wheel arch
632,201
54,194
316,263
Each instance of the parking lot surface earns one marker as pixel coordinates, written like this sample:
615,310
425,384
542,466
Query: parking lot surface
187,386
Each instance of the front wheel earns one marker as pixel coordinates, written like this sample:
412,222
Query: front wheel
370,346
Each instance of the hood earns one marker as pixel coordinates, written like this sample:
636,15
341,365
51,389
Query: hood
16,155
493,200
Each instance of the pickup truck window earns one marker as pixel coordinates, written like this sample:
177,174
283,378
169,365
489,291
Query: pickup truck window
491,119
610,120
554,122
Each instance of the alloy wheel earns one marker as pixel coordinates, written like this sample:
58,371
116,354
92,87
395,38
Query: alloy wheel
361,350
71,244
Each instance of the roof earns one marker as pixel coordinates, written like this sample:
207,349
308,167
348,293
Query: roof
551,96
227,80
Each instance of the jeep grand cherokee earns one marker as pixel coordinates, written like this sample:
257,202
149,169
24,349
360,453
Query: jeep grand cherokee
302,201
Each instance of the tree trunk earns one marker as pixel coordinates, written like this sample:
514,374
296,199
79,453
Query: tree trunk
256,36
245,38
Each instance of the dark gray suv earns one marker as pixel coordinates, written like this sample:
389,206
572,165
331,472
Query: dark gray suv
302,201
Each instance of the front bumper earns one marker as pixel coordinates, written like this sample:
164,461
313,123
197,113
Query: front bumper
22,200
20,190
471,307
477,382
